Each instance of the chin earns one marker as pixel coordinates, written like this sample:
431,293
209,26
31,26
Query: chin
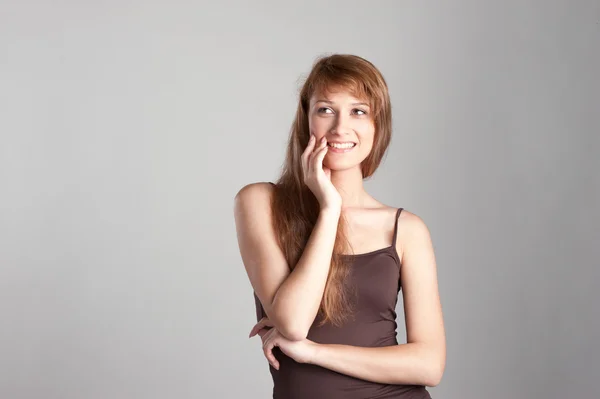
338,166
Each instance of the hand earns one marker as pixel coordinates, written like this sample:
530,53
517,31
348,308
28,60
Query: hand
301,351
317,176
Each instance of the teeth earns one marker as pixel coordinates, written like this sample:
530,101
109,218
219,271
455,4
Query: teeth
341,145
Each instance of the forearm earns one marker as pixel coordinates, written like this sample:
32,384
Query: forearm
298,298
411,363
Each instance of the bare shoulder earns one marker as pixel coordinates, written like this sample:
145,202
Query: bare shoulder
253,193
252,210
409,221
412,230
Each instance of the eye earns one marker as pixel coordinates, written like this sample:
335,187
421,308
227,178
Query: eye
361,110
320,110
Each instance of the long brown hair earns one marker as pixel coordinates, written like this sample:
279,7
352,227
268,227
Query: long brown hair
295,208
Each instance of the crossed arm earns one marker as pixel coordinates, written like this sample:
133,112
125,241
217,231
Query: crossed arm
420,361
411,363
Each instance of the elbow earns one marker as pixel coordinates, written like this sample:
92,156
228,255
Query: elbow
288,326
431,367
435,365
433,380
294,333
289,329
434,375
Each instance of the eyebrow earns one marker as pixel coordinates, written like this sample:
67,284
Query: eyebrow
330,102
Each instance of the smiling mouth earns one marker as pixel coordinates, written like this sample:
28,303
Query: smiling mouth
342,146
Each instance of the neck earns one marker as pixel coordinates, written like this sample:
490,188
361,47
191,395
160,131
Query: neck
349,184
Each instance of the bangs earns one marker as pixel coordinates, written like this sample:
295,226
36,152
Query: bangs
328,81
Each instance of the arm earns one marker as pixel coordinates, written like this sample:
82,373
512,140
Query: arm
410,363
422,359
290,299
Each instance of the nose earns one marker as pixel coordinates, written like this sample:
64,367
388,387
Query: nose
341,125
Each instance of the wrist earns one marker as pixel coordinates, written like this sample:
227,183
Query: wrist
315,349
330,212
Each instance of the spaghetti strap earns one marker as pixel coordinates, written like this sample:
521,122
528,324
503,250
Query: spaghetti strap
396,226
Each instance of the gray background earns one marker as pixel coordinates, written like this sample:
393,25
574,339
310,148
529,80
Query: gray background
127,127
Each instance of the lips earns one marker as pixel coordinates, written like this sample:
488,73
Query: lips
340,150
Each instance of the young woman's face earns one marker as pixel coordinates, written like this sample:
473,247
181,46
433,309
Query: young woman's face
346,122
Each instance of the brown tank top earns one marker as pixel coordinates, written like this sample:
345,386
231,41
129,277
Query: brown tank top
376,276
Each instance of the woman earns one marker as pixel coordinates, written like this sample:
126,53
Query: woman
327,261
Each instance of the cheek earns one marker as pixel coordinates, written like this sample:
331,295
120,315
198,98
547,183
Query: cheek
371,140
367,137
366,145
318,125
365,149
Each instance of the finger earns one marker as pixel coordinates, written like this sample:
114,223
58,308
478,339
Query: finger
310,146
322,143
307,151
264,335
311,142
261,323
312,160
318,159
267,335
252,332
255,329
316,147
317,150
268,351
263,331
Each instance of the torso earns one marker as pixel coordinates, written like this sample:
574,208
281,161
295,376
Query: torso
375,275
